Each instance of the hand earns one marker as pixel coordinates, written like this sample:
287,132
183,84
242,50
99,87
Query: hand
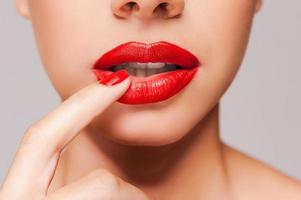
34,165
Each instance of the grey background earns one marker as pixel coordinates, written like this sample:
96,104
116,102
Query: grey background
260,112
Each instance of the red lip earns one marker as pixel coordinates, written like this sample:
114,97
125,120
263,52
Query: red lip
153,88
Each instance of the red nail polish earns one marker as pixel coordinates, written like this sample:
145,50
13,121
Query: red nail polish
114,78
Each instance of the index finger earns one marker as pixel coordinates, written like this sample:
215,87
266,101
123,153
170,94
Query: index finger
38,154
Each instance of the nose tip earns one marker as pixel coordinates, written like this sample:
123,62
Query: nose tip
147,9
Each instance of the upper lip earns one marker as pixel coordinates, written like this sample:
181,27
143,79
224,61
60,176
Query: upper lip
161,51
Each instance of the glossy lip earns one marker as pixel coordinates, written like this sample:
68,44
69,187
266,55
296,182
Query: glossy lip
153,88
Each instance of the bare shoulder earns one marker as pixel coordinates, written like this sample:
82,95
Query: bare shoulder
253,179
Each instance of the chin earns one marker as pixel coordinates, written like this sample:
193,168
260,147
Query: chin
143,125
140,132
132,136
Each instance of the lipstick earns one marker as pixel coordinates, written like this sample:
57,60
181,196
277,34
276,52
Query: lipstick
157,87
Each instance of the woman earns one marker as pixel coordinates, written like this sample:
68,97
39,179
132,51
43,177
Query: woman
140,83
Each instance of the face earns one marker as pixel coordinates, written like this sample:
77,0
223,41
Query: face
72,34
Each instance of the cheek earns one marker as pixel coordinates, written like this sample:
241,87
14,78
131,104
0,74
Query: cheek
221,28
67,43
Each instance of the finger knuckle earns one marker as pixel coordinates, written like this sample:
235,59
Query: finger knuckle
103,178
32,134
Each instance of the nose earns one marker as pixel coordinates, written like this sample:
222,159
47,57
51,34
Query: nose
147,9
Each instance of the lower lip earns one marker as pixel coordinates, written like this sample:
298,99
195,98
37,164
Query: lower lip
154,88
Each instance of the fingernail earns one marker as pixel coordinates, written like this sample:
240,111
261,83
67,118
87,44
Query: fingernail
114,78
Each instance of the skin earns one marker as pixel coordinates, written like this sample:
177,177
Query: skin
118,151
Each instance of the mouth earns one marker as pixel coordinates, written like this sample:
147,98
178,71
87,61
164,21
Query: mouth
157,71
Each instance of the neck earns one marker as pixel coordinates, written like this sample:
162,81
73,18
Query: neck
196,161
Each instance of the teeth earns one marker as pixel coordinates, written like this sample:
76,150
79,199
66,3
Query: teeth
145,65
145,69
137,65
141,72
155,65
130,70
154,71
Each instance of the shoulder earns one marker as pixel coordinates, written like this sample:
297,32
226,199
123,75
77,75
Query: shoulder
253,179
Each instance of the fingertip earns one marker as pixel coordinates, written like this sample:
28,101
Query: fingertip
114,78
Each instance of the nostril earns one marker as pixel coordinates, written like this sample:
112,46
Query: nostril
161,9
163,6
129,6
124,10
167,10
